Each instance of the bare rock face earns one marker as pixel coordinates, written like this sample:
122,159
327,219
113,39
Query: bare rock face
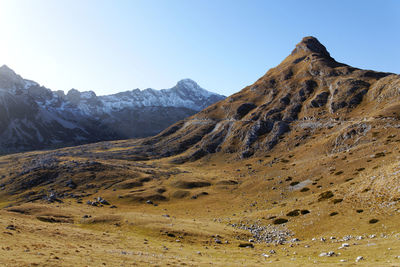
9,80
311,45
309,85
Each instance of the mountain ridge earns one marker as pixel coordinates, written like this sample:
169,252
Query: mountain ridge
35,117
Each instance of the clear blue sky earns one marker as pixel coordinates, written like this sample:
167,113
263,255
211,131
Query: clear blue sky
110,46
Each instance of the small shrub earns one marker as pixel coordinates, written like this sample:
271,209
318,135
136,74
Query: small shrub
280,221
304,189
379,155
334,213
325,195
293,213
303,212
246,245
294,183
338,173
372,221
360,169
337,200
360,211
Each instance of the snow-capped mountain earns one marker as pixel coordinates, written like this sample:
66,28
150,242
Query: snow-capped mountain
35,117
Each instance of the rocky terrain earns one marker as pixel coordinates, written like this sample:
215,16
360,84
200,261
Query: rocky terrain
34,117
299,169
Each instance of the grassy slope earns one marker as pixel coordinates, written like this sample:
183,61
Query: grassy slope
118,236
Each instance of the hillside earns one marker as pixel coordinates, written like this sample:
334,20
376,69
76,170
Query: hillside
308,90
298,169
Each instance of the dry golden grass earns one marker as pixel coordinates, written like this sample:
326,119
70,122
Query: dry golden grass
136,233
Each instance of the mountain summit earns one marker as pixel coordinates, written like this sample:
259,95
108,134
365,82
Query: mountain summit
311,44
308,89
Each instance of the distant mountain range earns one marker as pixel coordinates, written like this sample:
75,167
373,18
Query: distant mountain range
35,117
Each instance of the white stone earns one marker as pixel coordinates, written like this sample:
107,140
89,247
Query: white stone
359,258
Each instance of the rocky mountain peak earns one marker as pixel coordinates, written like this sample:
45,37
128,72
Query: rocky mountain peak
186,87
10,80
74,96
309,89
187,83
5,70
311,44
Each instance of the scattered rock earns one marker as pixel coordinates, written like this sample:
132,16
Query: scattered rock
71,184
102,201
359,258
267,234
11,227
327,254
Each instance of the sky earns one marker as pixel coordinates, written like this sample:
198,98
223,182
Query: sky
224,45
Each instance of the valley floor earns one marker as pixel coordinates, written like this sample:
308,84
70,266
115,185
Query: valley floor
200,213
